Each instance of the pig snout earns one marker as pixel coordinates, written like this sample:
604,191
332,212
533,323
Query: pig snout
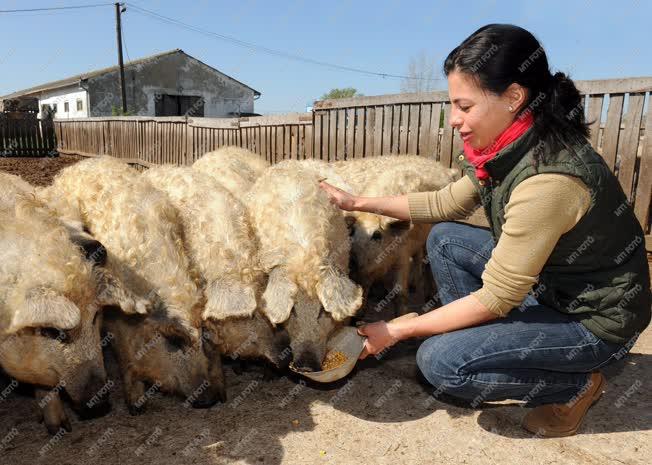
92,400
282,355
207,395
307,359
354,266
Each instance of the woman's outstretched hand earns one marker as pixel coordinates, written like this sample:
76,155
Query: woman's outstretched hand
338,197
383,334
379,337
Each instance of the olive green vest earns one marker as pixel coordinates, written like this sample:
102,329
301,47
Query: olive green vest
598,271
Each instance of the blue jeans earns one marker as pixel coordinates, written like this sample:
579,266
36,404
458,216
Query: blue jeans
536,353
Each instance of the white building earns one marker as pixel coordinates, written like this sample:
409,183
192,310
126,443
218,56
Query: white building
167,84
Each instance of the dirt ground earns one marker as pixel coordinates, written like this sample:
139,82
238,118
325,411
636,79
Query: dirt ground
38,171
380,414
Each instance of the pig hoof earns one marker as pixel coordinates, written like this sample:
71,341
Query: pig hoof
65,424
52,429
238,368
269,374
55,428
136,409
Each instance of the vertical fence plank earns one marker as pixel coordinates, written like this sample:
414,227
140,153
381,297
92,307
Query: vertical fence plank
425,136
446,151
413,131
644,185
317,134
378,130
397,123
350,125
593,115
628,144
370,132
612,129
388,111
310,131
342,126
360,124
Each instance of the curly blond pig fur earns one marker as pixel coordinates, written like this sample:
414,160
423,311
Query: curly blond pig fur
233,167
304,246
223,247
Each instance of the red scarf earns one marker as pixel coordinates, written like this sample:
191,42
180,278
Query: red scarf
478,157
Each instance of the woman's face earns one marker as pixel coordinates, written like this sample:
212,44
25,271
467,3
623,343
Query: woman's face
478,115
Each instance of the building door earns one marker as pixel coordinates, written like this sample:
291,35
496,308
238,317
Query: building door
179,105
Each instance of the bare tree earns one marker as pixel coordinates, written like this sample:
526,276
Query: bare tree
421,74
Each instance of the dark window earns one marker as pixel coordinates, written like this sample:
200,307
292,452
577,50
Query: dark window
80,105
66,107
178,105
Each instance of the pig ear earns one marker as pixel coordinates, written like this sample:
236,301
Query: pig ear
278,298
45,308
350,220
111,293
227,298
340,296
398,226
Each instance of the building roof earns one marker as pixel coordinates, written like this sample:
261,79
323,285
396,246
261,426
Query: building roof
78,77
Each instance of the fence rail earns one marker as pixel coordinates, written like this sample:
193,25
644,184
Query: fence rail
619,110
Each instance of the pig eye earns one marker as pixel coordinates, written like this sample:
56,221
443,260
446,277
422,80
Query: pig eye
376,236
54,333
175,342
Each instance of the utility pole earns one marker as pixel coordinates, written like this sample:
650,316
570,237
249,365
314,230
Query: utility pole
118,30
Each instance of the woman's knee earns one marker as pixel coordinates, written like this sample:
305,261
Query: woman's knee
437,361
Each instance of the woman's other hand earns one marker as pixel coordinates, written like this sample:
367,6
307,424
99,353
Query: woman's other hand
338,197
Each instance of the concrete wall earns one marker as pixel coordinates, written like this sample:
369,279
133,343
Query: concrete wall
60,97
175,74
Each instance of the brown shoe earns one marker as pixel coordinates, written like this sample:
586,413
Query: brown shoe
558,420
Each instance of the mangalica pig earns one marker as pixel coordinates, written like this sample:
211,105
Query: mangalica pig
304,248
221,244
51,301
383,248
143,236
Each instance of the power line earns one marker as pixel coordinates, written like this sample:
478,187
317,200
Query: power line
77,7
269,51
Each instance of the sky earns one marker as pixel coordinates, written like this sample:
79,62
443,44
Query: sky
587,39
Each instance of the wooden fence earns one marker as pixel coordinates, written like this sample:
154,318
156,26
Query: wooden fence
370,126
26,137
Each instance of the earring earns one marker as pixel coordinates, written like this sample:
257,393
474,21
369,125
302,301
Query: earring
510,108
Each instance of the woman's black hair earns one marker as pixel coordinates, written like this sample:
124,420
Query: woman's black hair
498,55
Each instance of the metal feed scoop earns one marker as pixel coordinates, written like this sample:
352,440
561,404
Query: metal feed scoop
347,341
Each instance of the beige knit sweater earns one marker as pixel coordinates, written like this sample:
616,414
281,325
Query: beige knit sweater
539,211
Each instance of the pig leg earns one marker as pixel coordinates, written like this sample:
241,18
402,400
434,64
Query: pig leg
403,282
239,367
52,411
417,284
134,393
269,374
